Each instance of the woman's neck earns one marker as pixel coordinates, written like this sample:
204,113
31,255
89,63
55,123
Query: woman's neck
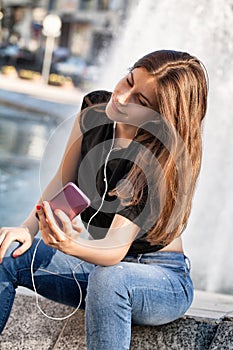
124,135
125,131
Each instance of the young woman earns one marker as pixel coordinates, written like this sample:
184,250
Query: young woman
132,267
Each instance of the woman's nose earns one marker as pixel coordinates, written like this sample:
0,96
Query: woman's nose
124,98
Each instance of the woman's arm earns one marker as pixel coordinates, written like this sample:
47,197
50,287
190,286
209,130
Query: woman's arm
107,251
65,173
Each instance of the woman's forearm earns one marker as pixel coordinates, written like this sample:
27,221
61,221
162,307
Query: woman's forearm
66,172
31,222
100,252
107,251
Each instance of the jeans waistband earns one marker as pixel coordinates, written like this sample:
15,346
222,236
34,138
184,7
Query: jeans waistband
159,257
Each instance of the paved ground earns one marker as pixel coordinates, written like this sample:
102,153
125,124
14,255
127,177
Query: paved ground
208,325
43,91
33,97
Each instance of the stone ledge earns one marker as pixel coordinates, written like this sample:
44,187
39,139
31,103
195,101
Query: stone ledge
28,329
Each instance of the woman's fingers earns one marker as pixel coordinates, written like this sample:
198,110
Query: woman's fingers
52,224
41,215
66,223
77,228
47,224
47,218
47,235
6,239
22,249
52,234
76,225
4,246
2,236
11,234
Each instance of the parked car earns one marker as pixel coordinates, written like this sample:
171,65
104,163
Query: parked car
10,54
73,67
13,54
60,54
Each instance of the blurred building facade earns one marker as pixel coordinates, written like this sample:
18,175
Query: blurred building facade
88,26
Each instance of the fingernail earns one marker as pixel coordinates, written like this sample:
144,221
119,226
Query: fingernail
38,207
15,255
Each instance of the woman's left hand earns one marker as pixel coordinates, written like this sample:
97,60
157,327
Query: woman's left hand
52,234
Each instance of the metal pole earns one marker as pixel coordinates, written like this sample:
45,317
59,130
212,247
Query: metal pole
49,46
1,17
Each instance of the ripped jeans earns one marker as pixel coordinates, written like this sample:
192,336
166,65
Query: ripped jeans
148,289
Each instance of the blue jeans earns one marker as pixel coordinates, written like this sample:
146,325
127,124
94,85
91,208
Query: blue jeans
148,289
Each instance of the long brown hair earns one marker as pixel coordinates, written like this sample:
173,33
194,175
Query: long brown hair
181,94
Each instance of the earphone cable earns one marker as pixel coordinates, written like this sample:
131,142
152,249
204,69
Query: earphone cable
105,176
73,271
36,294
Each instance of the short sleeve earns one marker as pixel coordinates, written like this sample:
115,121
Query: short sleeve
138,213
87,119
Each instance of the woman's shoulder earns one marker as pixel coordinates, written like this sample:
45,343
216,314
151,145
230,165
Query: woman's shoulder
95,97
93,109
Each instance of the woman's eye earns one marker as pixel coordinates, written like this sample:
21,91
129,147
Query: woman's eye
129,82
142,102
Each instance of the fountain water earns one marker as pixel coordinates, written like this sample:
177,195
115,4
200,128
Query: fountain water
201,28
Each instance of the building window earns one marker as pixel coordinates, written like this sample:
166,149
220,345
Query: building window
86,5
103,5
101,41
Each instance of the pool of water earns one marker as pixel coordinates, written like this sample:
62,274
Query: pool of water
23,138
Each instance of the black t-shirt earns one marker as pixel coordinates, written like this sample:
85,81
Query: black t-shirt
97,130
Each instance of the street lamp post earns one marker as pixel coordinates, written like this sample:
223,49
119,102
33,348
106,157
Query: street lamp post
51,29
1,17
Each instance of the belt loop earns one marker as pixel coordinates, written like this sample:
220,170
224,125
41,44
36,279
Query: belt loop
188,262
139,258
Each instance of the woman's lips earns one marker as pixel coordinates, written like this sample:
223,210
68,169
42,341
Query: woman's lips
115,108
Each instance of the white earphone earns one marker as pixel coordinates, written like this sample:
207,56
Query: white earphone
73,272
105,175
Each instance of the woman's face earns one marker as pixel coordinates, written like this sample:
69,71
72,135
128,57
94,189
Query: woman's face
133,100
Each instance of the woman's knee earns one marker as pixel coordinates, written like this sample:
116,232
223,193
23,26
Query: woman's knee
11,249
8,266
106,281
12,265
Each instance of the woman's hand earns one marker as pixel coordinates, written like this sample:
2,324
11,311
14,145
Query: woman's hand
11,234
106,251
52,234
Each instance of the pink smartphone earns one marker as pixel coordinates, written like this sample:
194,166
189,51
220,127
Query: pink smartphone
71,200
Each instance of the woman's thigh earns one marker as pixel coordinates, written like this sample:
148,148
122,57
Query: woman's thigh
158,295
158,292
53,273
161,289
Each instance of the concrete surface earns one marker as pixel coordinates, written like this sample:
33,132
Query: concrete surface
39,98
40,90
28,329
